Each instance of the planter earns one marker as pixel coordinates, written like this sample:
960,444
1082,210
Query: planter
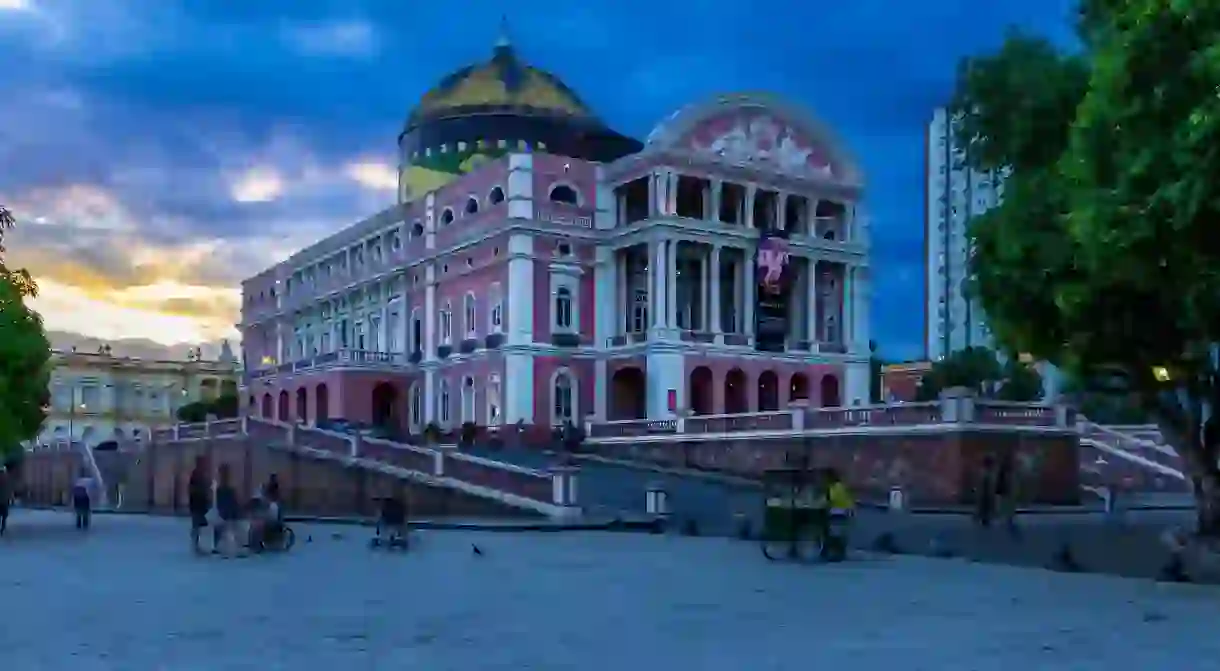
469,345
493,340
443,351
565,340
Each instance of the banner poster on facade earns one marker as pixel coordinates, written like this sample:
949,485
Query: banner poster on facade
774,278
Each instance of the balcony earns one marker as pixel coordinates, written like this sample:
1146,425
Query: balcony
343,358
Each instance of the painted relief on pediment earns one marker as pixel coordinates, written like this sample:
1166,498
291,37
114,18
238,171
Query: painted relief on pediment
760,139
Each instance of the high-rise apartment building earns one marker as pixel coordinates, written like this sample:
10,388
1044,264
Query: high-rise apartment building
954,195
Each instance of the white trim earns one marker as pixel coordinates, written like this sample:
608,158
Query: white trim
495,292
415,407
918,429
445,317
573,391
470,315
470,408
493,384
444,403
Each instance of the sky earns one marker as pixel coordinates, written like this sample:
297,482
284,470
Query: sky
157,152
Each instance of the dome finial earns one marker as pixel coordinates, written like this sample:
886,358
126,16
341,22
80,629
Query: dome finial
503,41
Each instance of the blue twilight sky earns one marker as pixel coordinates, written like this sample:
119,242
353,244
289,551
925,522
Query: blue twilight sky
158,151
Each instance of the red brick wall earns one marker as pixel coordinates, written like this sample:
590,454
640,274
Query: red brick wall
934,469
157,479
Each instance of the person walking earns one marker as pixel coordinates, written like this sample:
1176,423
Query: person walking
6,498
199,500
1006,494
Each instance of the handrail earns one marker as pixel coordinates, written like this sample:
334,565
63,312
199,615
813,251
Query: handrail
1133,458
1140,442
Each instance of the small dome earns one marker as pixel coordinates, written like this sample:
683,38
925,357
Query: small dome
502,85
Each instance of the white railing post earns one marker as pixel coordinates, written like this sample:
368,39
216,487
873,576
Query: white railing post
292,434
357,444
176,425
245,425
438,463
564,488
1061,415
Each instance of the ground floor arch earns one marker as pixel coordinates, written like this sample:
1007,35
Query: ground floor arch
736,393
628,394
384,402
700,391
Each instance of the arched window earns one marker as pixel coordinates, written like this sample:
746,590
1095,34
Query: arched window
417,230
446,324
472,205
563,308
468,400
495,316
443,401
562,193
496,196
563,396
493,400
468,313
417,406
447,217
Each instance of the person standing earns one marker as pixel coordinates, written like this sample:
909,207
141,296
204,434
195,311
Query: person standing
82,499
985,504
228,509
199,500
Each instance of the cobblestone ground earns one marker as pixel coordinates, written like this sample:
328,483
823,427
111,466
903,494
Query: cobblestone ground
130,596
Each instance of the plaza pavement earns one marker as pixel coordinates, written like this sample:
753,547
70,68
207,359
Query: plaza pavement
130,596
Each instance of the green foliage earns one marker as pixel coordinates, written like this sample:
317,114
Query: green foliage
979,369
225,406
25,356
1102,257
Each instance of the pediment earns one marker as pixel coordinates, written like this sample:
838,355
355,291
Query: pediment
758,133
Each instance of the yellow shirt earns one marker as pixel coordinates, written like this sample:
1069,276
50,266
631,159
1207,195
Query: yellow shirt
840,497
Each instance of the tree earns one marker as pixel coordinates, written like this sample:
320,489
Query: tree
980,370
25,357
1102,257
224,406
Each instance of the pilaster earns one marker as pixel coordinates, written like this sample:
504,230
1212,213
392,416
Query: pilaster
520,291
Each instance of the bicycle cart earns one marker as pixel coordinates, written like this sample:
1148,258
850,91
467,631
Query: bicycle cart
795,517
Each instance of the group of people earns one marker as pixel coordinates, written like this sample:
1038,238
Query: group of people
218,505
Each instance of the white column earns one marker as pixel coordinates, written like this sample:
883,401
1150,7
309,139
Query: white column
748,206
430,340
781,210
861,328
811,307
520,292
671,193
518,395
671,285
705,290
749,295
604,296
653,196
429,396
717,190
601,382
623,297
657,291
714,310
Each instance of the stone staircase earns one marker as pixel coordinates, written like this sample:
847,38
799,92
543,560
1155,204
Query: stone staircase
1131,458
536,490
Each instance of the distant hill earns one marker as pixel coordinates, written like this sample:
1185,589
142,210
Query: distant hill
139,348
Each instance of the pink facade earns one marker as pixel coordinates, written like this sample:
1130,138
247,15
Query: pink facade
542,289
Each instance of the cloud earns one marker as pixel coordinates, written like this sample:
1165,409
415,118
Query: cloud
257,185
373,175
342,38
15,5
